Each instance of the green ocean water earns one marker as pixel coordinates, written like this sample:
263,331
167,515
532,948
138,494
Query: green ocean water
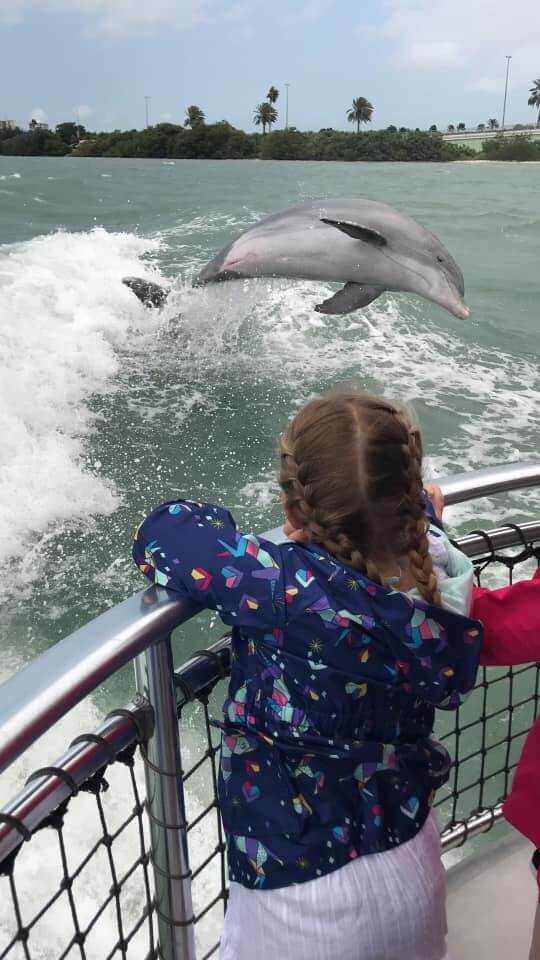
110,408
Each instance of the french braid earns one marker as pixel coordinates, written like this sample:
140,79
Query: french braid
351,469
420,561
318,527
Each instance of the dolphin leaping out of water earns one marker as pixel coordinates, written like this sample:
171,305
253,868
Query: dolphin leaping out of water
367,245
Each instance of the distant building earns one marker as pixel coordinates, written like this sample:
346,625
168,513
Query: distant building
8,125
36,125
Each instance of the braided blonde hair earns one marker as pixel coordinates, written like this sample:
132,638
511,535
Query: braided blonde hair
351,471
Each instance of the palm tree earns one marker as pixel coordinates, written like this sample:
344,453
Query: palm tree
194,117
461,126
433,128
265,115
451,128
360,112
534,99
272,95
493,124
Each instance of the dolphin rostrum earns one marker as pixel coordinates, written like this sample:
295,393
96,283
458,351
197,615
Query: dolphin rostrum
367,245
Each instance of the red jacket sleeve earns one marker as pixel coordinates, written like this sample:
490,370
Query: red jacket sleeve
511,619
522,807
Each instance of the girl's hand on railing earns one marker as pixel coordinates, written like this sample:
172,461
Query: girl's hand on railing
436,496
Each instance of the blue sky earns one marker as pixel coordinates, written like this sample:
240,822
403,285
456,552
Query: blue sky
418,61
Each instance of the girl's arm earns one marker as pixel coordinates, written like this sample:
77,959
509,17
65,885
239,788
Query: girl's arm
196,550
511,619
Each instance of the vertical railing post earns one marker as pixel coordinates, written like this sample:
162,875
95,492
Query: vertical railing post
166,809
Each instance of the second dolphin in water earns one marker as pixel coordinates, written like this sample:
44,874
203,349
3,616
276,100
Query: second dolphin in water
367,245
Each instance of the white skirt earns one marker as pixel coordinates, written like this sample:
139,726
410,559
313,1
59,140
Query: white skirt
385,906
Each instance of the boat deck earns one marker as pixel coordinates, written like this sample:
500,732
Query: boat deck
492,901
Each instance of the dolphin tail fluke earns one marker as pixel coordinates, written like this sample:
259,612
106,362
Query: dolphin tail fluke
354,296
150,294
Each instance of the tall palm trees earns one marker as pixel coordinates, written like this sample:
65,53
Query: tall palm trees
360,112
534,99
265,115
194,117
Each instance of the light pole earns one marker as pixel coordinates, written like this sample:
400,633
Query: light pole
146,102
287,85
508,59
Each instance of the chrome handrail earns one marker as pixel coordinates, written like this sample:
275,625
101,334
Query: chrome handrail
38,695
82,759
489,481
462,487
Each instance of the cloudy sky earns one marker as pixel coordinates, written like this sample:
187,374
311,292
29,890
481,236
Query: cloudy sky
418,61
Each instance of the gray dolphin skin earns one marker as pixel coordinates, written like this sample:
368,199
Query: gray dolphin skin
368,246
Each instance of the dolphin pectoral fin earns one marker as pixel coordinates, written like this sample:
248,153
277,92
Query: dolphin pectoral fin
150,294
352,297
357,231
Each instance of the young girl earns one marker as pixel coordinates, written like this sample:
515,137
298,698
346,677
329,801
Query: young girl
342,648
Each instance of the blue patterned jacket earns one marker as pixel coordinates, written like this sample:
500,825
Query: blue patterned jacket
327,748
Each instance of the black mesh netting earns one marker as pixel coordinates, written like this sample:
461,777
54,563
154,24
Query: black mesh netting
82,885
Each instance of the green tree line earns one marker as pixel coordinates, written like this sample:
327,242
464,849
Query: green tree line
197,139
220,141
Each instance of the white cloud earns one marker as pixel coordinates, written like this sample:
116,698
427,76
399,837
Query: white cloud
114,15
39,114
475,33
83,112
434,52
123,15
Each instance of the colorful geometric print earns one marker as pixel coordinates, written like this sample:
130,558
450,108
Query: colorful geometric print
235,707
423,628
341,618
291,593
238,745
202,578
388,761
257,855
305,578
280,704
356,690
149,568
248,603
306,769
233,577
275,638
176,508
249,546
327,749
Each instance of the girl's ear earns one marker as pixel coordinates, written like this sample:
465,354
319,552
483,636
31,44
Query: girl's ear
292,523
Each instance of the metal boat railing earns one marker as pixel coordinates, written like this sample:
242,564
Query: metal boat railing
168,846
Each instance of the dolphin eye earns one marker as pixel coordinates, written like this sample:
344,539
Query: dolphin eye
440,259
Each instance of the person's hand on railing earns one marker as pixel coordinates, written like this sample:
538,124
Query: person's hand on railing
436,496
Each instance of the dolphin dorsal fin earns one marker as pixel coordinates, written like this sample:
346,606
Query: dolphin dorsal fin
357,231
